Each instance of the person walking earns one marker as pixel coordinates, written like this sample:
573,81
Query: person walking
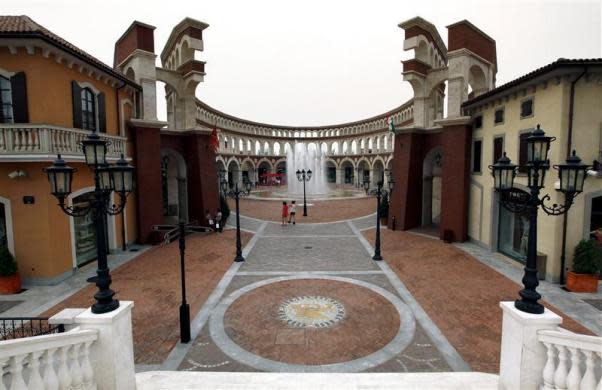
284,213
292,212
218,221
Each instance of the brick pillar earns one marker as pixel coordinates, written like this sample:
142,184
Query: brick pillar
406,199
203,192
147,141
455,180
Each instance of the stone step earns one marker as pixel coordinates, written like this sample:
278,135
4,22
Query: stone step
166,380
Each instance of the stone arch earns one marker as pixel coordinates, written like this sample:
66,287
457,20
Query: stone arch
175,186
334,148
378,170
346,171
354,147
264,166
431,187
276,148
477,81
324,147
248,170
233,175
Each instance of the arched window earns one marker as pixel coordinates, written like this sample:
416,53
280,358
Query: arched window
88,109
6,101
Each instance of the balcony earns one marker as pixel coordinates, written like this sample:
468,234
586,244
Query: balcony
31,142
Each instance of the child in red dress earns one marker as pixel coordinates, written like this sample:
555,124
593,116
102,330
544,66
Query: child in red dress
284,213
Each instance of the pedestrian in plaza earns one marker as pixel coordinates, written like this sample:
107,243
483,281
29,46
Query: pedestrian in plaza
292,212
218,221
209,219
284,213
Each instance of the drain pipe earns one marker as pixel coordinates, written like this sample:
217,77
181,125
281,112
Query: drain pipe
118,104
569,145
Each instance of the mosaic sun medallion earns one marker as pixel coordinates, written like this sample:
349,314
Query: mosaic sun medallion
311,312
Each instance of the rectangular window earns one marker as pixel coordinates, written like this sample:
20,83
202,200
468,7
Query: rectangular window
478,122
498,148
476,156
499,116
6,101
522,152
526,108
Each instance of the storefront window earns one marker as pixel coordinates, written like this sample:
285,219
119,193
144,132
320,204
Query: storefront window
85,232
514,230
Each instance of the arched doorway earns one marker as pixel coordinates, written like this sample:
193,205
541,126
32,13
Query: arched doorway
431,187
6,225
331,171
174,187
347,172
363,172
281,170
378,171
248,171
264,170
233,173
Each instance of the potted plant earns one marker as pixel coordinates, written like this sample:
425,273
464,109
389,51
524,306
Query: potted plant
10,282
584,277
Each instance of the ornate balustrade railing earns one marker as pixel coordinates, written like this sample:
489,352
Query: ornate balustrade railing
574,361
40,142
19,327
55,361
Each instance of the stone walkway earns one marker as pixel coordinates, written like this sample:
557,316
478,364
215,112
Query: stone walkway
309,298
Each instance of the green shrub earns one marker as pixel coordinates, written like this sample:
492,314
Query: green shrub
8,265
585,259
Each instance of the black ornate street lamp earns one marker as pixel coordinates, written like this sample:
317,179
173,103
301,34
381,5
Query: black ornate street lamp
572,176
236,193
107,178
304,176
379,192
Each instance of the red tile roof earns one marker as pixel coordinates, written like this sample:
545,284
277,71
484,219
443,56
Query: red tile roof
23,26
561,62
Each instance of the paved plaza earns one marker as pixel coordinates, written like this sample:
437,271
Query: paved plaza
309,298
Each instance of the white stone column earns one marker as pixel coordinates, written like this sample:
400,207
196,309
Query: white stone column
113,354
522,356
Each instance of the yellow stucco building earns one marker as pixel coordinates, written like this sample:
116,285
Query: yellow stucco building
565,98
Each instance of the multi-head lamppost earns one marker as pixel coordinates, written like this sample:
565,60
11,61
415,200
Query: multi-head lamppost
107,178
236,193
304,176
572,176
379,192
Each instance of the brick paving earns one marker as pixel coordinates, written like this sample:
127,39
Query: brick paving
152,281
459,293
318,211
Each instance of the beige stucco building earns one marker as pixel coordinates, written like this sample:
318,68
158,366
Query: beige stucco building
565,98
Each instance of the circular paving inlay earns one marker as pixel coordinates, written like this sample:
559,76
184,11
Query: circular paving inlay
312,324
311,312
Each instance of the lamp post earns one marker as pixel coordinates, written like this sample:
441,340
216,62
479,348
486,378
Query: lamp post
572,176
379,192
304,176
107,178
236,193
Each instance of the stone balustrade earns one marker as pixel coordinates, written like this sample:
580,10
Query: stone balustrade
43,142
574,361
56,361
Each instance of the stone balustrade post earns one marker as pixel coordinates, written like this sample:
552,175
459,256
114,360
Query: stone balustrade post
523,357
112,355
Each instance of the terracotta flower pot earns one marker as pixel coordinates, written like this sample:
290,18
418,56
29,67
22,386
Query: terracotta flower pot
10,284
581,282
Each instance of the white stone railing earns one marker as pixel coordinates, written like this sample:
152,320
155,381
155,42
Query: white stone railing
56,361
574,361
41,141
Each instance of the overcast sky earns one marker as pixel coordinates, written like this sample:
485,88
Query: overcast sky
319,62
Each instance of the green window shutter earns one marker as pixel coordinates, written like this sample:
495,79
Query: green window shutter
76,93
19,95
102,115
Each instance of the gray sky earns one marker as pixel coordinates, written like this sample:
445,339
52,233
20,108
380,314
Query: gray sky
322,62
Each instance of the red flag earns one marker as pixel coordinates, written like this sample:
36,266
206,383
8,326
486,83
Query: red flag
214,141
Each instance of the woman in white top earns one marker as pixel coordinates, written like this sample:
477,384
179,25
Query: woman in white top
292,212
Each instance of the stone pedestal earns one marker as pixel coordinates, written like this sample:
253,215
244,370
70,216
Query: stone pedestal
113,354
522,355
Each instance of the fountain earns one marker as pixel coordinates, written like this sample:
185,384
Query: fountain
306,156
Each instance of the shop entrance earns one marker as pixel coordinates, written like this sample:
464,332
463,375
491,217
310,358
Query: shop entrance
85,232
